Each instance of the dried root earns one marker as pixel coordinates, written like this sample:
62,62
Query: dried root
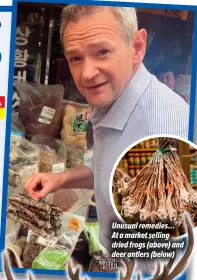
40,217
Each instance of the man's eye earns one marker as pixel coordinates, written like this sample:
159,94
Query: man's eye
103,52
74,59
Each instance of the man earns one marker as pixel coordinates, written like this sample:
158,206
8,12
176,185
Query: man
166,75
105,50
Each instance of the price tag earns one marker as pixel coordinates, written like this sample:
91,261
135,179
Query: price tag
59,167
46,115
47,242
80,122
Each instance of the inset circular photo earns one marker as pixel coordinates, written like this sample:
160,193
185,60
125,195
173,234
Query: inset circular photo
155,181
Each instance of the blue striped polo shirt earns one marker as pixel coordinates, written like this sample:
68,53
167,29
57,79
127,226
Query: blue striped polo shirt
145,107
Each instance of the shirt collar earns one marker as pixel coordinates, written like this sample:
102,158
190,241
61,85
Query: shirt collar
118,115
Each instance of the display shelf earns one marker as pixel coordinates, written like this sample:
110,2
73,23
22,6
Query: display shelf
193,166
142,150
136,166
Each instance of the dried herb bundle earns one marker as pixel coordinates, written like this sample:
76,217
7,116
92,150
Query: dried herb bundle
42,218
160,191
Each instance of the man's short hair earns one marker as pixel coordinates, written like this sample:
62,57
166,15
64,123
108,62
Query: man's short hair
164,67
126,17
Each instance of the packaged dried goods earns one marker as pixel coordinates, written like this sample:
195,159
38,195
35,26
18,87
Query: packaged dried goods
40,108
17,126
101,260
75,123
24,161
51,258
32,249
75,156
53,153
73,200
56,256
65,198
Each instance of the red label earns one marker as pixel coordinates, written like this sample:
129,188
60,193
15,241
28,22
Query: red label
2,101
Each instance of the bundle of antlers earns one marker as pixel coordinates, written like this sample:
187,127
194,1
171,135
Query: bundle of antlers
166,274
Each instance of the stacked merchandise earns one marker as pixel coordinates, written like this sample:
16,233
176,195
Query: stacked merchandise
137,157
193,168
123,164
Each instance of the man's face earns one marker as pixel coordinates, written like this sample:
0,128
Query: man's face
100,60
168,79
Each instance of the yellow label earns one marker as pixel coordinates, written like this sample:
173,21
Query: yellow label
2,113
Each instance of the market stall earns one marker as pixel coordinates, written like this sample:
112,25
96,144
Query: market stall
49,135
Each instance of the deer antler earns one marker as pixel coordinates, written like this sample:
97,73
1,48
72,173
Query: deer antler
72,275
30,277
165,275
130,265
182,263
157,271
7,268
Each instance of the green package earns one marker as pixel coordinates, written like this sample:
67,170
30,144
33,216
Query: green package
91,231
51,258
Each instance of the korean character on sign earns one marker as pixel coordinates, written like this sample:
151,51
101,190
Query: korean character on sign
21,34
20,76
20,58
21,41
21,38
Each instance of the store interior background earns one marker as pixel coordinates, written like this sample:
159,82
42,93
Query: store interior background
170,36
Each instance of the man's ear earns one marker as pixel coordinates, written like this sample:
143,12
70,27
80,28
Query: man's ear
139,46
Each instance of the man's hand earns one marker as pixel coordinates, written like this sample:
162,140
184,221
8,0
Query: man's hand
41,184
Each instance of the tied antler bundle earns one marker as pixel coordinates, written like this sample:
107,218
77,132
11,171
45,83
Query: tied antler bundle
167,273
160,192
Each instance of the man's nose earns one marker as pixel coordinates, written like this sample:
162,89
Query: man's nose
89,70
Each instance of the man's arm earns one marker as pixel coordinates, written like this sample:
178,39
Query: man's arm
79,178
